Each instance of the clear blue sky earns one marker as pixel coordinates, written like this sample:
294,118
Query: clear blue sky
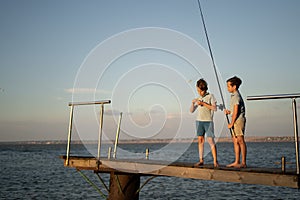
44,43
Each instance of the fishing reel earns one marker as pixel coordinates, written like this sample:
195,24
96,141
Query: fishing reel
220,107
200,101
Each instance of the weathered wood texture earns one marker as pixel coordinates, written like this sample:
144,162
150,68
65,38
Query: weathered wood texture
271,177
123,186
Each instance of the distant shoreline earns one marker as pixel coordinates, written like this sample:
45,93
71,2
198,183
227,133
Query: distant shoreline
153,141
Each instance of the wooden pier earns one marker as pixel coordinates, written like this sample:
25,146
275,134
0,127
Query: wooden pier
125,174
131,170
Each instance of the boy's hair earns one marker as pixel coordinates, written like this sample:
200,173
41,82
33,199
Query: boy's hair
235,81
201,83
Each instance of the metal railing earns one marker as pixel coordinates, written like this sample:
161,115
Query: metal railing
285,96
72,105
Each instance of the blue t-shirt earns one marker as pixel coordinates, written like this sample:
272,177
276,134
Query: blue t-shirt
236,99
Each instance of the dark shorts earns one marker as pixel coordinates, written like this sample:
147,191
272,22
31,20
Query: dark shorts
203,128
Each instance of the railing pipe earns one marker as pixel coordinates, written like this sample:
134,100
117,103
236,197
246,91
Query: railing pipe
117,137
286,96
277,96
89,103
100,130
69,135
109,153
73,104
296,133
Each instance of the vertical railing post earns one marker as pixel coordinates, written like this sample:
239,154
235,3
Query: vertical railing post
69,135
117,136
285,96
147,153
296,133
283,164
100,130
109,153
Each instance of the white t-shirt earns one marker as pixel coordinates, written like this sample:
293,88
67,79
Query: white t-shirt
205,114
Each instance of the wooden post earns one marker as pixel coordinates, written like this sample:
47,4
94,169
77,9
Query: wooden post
283,164
147,154
109,153
123,186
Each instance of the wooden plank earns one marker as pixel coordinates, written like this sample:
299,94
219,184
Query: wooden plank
261,176
83,163
207,174
231,176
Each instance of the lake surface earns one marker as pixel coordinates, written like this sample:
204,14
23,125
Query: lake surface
36,172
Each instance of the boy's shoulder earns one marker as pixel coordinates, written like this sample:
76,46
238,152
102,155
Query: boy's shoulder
210,96
236,94
235,97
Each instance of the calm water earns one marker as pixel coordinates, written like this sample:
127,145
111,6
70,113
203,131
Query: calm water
36,172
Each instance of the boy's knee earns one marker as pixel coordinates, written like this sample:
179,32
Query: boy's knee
201,139
240,140
211,141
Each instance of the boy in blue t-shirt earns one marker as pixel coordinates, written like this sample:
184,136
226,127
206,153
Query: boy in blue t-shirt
238,122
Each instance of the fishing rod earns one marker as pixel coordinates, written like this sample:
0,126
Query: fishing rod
213,63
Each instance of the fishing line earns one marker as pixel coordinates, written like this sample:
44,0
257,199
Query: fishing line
213,62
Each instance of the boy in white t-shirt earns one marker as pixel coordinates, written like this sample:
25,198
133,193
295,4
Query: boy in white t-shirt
206,104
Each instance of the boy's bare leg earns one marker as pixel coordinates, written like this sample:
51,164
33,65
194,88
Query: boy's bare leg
236,146
201,150
243,147
213,147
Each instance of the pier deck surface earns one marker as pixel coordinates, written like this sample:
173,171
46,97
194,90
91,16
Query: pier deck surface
143,167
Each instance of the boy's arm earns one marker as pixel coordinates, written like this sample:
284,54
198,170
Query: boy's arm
211,107
193,106
234,115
